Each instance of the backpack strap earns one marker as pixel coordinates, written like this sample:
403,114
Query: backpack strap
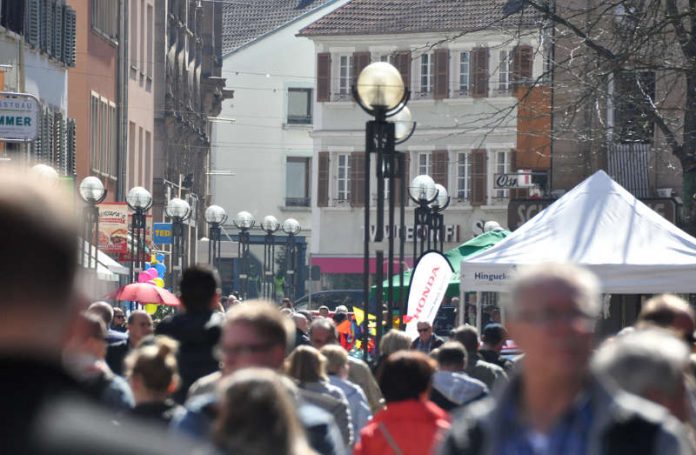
390,440
635,436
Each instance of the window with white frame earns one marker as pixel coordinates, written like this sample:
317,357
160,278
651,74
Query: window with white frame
463,176
426,74
343,177
504,71
464,73
424,163
376,57
103,135
502,166
345,74
299,106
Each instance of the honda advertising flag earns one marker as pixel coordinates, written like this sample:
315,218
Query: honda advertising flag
429,283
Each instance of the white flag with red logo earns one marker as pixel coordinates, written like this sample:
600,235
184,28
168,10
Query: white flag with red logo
429,282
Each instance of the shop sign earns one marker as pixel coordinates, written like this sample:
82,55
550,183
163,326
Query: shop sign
19,117
113,227
162,233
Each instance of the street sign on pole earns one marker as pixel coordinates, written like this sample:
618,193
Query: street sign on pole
19,117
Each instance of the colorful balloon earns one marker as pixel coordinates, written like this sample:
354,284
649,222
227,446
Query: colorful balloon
161,270
159,282
147,266
160,257
150,308
152,272
144,277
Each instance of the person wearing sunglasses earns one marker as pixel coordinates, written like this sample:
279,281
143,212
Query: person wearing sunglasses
427,340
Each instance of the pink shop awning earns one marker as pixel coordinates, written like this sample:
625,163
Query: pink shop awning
351,264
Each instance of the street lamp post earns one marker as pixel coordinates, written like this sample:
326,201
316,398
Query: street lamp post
139,200
244,221
92,191
423,192
214,216
270,225
380,92
179,211
440,203
291,227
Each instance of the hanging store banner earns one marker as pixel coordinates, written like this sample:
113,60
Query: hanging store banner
429,283
162,234
113,227
19,117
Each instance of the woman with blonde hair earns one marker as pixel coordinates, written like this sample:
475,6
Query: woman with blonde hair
307,366
257,416
153,376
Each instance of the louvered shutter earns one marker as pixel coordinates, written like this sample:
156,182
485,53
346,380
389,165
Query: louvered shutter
58,31
441,60
46,31
323,180
71,147
357,179
479,174
323,77
522,64
33,21
360,61
479,72
69,41
402,62
439,167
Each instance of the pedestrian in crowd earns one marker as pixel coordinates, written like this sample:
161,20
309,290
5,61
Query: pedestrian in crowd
232,300
255,334
139,326
257,416
670,312
494,337
556,405
337,369
344,327
426,340
287,303
410,424
301,328
452,387
307,366
84,355
153,375
392,341
306,314
488,373
105,312
652,364
44,410
324,311
322,331
118,323
197,328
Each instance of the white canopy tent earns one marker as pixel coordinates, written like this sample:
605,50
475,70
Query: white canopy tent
600,225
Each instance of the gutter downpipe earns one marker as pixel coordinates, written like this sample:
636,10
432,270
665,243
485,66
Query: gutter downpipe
122,104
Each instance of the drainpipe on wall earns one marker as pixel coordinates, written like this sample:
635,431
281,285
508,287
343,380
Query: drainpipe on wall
122,101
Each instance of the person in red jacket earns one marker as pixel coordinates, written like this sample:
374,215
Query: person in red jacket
410,424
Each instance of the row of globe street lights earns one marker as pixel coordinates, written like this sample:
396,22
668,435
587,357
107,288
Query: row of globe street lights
216,216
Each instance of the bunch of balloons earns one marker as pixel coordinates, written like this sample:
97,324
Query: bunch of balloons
155,271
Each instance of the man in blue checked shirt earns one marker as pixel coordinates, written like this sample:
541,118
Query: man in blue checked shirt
555,405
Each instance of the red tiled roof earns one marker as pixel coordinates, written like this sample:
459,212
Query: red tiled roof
374,17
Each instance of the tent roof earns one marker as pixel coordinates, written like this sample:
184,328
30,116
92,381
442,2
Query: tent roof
602,226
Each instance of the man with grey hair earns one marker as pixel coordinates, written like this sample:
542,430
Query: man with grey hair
556,405
650,363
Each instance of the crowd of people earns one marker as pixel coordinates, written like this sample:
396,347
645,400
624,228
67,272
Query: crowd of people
256,377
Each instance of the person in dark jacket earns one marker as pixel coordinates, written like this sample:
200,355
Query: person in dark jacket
198,328
494,337
427,340
139,326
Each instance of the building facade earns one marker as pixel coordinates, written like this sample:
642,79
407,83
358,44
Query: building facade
469,97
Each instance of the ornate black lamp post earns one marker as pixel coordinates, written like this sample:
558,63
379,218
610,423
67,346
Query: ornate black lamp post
179,211
291,227
440,203
244,221
270,225
92,191
139,200
423,192
214,216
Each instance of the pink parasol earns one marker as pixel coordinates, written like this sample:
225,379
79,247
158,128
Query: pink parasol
146,293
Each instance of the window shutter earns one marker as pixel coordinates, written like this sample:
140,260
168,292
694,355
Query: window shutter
439,167
402,62
69,24
441,90
323,77
323,180
71,147
479,72
33,21
58,31
357,179
522,64
46,32
479,174
360,61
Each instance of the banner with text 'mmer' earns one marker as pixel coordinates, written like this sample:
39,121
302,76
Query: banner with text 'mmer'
429,283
